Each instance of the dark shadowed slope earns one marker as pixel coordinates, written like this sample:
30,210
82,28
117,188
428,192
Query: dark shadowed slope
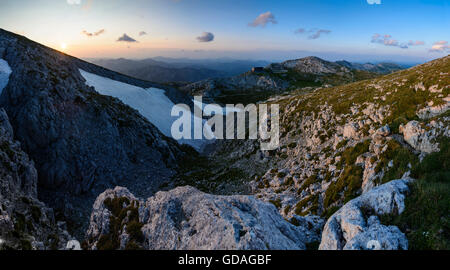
81,142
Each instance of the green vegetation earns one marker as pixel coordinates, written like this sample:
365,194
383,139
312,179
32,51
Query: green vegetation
287,209
347,187
341,144
309,181
243,97
312,201
292,145
276,202
288,182
426,219
197,171
349,183
122,209
398,91
402,159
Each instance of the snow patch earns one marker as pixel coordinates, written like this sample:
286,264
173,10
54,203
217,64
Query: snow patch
152,103
5,71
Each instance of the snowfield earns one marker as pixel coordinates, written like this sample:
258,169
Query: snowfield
152,103
5,71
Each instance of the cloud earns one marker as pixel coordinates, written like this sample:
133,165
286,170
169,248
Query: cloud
316,34
387,40
98,33
313,33
74,2
142,33
416,43
126,38
440,46
372,2
206,37
86,6
263,19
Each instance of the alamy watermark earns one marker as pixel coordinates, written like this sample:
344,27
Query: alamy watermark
213,122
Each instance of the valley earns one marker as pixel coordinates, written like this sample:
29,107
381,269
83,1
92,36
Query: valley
87,155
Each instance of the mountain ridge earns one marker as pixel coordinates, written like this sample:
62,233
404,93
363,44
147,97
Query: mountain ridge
341,148
276,78
80,140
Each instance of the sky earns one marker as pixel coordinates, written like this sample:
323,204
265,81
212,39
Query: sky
354,30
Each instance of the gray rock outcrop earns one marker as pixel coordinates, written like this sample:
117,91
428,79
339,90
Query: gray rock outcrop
419,138
25,222
185,218
356,225
82,142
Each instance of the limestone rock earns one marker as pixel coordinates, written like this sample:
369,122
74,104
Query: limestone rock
355,225
73,245
185,218
418,138
431,111
351,130
378,237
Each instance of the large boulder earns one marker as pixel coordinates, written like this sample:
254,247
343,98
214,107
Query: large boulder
418,137
185,218
356,224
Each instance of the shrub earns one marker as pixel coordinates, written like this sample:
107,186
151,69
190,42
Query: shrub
309,181
134,230
292,145
276,202
121,208
347,187
401,158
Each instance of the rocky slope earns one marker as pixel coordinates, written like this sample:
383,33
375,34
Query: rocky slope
339,143
276,78
381,68
25,222
81,142
187,219
340,149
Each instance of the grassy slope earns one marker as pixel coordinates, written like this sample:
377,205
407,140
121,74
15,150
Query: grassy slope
426,220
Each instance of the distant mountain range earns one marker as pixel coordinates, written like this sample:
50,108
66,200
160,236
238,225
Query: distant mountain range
211,77
82,146
164,70
259,84
382,68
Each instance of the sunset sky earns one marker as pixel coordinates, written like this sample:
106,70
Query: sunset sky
357,30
